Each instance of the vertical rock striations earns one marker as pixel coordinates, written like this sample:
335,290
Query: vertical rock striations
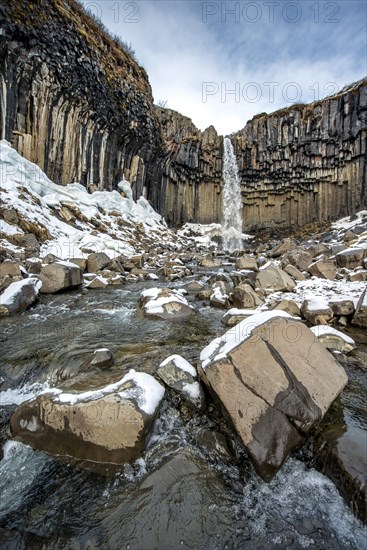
76,103
305,163
189,173
72,100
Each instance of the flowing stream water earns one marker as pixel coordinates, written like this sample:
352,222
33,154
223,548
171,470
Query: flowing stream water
232,200
193,488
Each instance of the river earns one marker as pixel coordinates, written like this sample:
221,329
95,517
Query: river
194,487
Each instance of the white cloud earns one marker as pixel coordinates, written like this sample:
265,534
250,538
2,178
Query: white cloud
181,53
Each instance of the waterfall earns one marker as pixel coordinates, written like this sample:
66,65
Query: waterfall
232,200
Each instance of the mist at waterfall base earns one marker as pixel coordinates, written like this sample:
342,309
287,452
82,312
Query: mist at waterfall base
232,200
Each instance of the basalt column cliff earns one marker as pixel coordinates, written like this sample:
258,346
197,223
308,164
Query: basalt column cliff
306,163
74,101
298,165
189,174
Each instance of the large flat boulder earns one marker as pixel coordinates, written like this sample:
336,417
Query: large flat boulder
106,425
351,257
323,268
59,276
244,297
246,262
19,296
97,261
274,380
274,279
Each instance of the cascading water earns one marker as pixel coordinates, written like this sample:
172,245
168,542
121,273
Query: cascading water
232,200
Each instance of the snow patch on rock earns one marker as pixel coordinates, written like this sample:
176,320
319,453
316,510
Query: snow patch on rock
220,347
180,363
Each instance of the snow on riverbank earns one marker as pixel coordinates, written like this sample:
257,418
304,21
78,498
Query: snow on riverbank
210,234
68,220
323,288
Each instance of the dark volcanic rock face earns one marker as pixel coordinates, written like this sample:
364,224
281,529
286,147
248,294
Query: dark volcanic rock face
78,105
305,163
189,174
71,99
302,164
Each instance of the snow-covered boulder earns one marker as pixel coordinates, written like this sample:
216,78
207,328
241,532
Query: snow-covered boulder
105,425
316,310
60,276
19,296
181,376
165,303
219,296
333,339
97,282
235,315
274,380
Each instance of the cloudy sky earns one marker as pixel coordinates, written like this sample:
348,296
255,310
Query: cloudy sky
221,63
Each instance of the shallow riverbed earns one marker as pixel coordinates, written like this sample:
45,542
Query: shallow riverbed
193,488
